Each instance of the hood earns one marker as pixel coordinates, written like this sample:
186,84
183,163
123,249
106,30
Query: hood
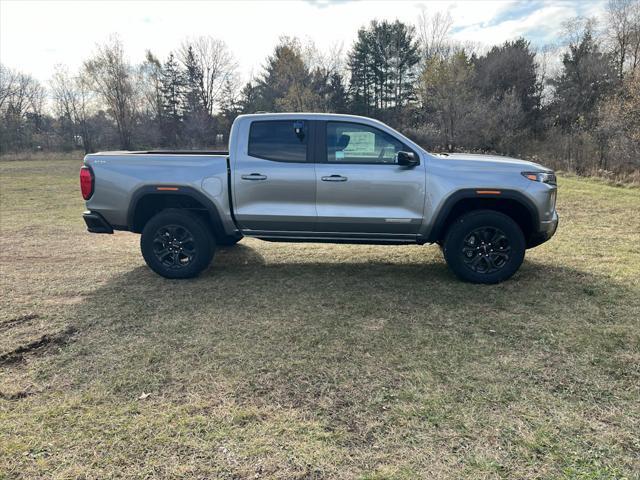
494,161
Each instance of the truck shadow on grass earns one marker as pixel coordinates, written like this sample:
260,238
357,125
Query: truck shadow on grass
397,354
301,333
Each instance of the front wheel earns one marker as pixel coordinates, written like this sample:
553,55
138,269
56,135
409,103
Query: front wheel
177,244
484,247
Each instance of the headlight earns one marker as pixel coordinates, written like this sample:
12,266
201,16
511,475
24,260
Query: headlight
544,177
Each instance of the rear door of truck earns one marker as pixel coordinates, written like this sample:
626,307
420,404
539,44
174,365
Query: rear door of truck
274,180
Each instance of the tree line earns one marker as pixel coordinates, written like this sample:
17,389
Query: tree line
581,114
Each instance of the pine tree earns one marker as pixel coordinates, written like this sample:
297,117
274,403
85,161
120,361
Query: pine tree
198,124
587,77
193,104
382,64
285,84
230,107
172,86
249,98
337,101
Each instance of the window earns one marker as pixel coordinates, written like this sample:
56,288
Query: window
282,140
354,143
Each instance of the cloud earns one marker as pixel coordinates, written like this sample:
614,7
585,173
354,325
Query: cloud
37,35
326,3
540,22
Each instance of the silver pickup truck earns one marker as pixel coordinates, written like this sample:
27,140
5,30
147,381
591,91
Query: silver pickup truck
308,177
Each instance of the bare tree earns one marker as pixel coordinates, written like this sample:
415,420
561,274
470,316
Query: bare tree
22,100
112,78
216,65
151,75
543,91
329,62
8,80
64,101
433,32
74,104
623,22
576,28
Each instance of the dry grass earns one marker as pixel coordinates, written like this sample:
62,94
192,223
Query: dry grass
315,361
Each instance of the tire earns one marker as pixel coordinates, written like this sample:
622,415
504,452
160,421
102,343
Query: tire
177,244
484,246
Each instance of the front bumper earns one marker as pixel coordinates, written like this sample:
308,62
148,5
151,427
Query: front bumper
96,223
546,230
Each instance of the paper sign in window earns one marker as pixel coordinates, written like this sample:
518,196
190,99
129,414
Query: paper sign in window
361,144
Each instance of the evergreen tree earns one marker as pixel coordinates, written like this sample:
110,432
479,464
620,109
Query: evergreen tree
359,64
198,125
230,107
193,104
337,98
587,77
510,67
382,64
249,98
286,84
172,89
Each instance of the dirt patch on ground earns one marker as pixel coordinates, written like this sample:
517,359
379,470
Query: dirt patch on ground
45,341
20,319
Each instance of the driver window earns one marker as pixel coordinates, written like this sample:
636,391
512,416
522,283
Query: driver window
354,143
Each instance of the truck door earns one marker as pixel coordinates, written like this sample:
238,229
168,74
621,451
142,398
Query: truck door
360,186
274,183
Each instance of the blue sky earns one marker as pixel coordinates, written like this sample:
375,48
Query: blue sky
538,20
37,35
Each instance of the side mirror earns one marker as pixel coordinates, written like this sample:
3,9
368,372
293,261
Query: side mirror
407,159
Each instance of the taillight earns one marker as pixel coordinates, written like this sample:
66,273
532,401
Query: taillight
86,182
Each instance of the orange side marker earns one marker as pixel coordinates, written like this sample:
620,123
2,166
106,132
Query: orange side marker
488,192
172,189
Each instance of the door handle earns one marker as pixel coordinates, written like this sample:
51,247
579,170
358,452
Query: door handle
254,176
334,178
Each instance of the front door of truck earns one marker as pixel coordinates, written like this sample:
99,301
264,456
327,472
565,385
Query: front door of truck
360,186
274,183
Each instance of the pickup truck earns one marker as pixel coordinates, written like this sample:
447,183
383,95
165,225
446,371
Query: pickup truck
310,177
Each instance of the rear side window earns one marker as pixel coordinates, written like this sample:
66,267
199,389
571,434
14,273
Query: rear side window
280,140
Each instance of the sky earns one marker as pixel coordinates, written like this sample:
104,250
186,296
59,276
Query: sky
37,35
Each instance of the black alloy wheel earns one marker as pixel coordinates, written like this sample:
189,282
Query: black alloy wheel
484,246
174,246
177,244
486,250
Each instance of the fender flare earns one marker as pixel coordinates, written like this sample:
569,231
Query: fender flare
191,192
467,193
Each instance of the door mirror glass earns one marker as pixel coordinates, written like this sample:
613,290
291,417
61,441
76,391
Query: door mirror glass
407,159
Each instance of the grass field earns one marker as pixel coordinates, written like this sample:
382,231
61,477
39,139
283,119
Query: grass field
315,361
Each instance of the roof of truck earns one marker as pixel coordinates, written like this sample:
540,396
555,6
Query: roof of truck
309,115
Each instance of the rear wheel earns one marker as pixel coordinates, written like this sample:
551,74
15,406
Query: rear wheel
177,244
484,247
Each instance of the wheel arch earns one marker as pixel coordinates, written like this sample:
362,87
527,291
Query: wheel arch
147,201
509,202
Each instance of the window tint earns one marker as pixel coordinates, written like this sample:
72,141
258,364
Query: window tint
353,143
283,141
